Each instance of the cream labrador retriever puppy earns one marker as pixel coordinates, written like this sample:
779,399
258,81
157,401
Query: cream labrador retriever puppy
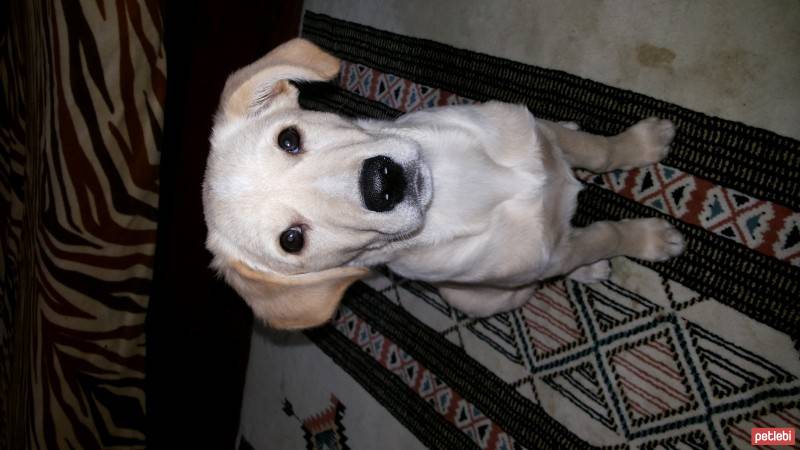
475,199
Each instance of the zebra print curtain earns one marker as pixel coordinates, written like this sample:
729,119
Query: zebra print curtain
82,106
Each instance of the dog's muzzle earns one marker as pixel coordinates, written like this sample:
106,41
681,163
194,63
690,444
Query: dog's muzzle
383,183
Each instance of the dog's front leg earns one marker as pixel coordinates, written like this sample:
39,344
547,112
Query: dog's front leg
647,239
645,143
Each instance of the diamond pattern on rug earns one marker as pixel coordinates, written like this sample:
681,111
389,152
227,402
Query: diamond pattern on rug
357,79
475,424
614,306
390,89
498,332
435,392
420,96
581,386
736,216
651,379
729,368
403,365
663,188
370,340
551,320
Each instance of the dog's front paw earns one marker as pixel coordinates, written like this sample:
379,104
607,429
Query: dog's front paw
643,144
653,239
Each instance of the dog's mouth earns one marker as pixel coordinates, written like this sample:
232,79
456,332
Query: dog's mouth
421,183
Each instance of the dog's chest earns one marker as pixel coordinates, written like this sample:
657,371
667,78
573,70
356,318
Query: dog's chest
486,222
502,197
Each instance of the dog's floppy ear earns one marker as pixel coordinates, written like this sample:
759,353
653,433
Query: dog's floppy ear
255,86
292,301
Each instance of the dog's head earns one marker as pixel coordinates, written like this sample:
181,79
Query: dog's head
293,197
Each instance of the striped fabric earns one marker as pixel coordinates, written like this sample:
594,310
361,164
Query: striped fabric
84,87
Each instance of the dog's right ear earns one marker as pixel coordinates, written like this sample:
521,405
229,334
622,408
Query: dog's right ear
265,81
290,302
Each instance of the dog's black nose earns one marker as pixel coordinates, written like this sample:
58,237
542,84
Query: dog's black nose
382,183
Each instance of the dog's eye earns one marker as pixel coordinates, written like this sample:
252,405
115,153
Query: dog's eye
289,140
292,239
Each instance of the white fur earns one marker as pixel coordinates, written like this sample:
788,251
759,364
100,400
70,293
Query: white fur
486,217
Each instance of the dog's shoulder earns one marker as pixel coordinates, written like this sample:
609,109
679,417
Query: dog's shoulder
482,115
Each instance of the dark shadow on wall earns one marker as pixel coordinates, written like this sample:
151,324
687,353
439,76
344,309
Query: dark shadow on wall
198,330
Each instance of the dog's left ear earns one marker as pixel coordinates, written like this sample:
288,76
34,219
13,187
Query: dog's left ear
264,81
292,301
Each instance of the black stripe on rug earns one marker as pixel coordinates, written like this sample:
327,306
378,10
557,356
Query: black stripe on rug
417,415
525,421
767,165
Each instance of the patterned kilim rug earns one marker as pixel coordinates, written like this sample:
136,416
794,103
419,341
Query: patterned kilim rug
691,353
